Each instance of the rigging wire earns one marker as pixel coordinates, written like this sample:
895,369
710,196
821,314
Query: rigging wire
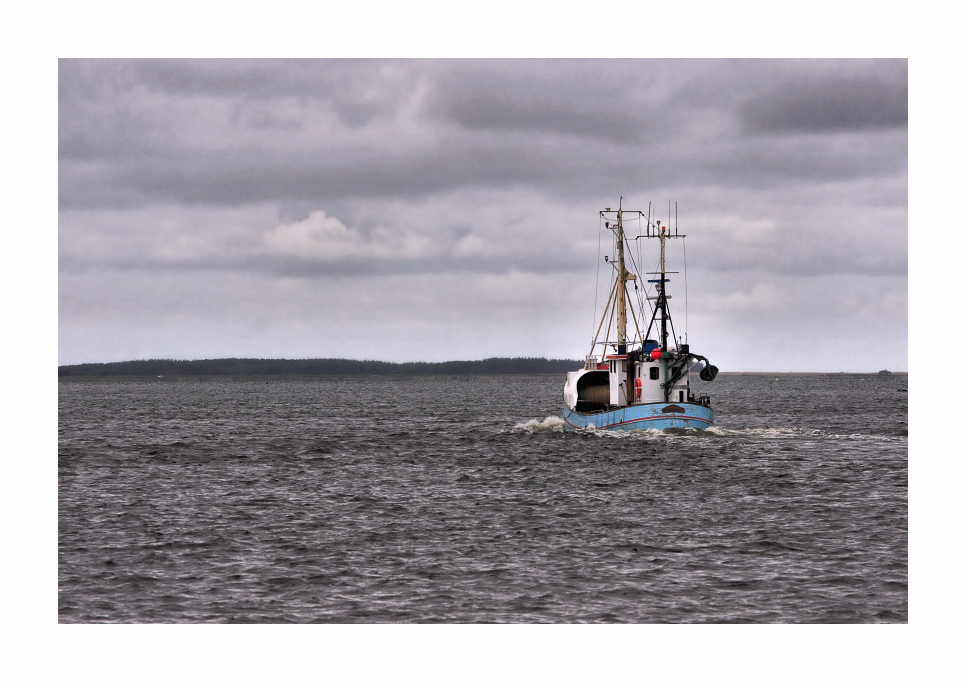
647,291
653,309
596,283
642,292
613,284
637,269
606,308
685,245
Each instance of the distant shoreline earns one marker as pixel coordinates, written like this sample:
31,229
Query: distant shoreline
118,378
327,367
229,369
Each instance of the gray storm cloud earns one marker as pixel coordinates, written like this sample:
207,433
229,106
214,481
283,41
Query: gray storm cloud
410,191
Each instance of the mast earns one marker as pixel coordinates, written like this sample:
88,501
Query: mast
622,274
617,302
663,295
623,277
661,232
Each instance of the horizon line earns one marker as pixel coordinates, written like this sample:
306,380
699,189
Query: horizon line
442,362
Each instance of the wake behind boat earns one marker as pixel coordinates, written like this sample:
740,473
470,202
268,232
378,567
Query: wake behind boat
636,382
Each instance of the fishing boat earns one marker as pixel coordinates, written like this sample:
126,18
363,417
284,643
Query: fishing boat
630,380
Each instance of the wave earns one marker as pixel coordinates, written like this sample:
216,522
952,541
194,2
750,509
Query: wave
535,425
798,433
646,434
768,432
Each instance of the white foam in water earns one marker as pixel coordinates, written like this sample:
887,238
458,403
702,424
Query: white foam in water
775,432
645,434
548,424
557,424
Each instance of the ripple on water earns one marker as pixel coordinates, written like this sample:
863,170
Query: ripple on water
463,501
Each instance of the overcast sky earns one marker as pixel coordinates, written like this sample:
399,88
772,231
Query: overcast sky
439,210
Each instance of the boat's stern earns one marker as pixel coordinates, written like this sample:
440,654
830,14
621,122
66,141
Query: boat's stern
642,416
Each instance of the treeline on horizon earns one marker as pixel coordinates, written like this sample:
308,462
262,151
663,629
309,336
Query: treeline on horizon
321,367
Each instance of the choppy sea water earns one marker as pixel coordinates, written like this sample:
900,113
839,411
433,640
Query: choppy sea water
462,500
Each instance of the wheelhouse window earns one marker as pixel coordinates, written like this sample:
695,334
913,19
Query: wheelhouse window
655,373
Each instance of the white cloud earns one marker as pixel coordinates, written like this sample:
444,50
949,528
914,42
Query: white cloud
318,237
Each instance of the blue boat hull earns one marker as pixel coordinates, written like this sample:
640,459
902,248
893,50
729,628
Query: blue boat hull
648,416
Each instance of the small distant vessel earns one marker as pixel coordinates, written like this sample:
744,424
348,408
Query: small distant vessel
632,381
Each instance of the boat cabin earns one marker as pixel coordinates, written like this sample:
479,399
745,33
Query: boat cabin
628,379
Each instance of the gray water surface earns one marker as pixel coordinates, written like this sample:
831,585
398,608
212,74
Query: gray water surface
462,500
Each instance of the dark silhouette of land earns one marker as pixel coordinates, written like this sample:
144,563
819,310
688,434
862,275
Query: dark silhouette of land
249,367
